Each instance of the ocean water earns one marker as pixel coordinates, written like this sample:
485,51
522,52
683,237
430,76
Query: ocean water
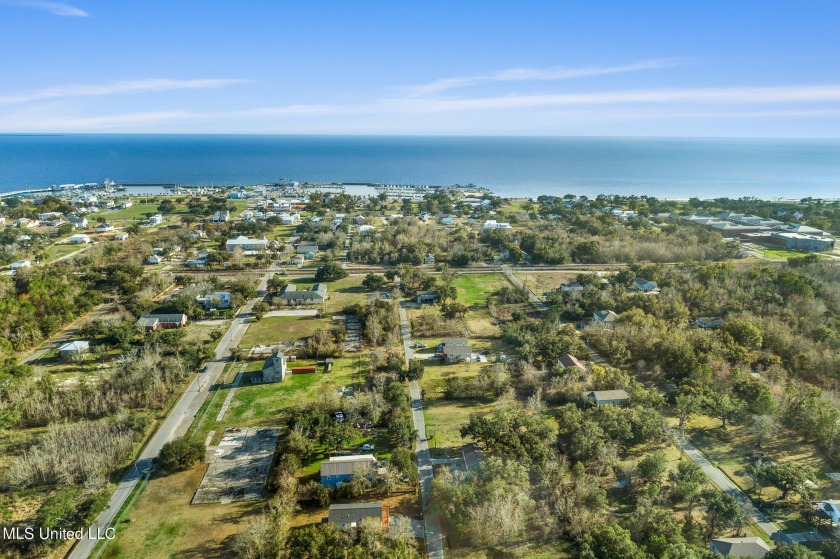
509,166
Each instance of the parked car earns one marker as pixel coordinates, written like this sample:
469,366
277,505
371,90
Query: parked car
367,446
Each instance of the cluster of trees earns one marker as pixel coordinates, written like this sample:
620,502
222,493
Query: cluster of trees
542,340
141,379
38,301
406,241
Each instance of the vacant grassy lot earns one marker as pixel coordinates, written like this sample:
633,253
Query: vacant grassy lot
474,289
275,329
731,449
137,211
184,530
542,282
57,251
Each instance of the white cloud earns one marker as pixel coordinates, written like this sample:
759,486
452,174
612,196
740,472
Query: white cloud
136,86
54,8
538,74
737,95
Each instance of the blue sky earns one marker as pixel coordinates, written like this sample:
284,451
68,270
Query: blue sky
712,68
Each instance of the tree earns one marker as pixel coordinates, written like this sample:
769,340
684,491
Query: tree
259,309
374,282
415,370
652,467
453,310
512,433
687,405
763,426
795,551
722,511
723,406
336,435
788,476
610,541
688,481
330,271
180,454
745,333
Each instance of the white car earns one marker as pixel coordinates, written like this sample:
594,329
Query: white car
367,446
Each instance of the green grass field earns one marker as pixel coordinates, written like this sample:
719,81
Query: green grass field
475,289
274,329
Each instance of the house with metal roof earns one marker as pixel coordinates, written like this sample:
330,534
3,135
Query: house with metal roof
740,547
349,516
70,349
246,244
600,398
290,295
605,318
274,368
340,469
153,322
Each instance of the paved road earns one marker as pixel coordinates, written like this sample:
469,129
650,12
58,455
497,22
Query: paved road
175,425
506,270
719,478
726,485
434,534
69,333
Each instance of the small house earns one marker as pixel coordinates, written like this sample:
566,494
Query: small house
570,361
104,228
600,398
455,350
156,219
644,286
72,349
215,300
571,287
121,236
349,516
426,297
340,469
153,322
154,259
274,368
220,217
429,259
307,249
605,318
740,547
21,264
79,239
78,222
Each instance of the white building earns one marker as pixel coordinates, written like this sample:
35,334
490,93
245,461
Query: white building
80,239
21,264
104,228
246,244
156,219
121,236
493,224
221,217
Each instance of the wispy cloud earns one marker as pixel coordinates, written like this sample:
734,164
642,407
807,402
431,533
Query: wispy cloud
54,8
736,95
539,74
115,88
